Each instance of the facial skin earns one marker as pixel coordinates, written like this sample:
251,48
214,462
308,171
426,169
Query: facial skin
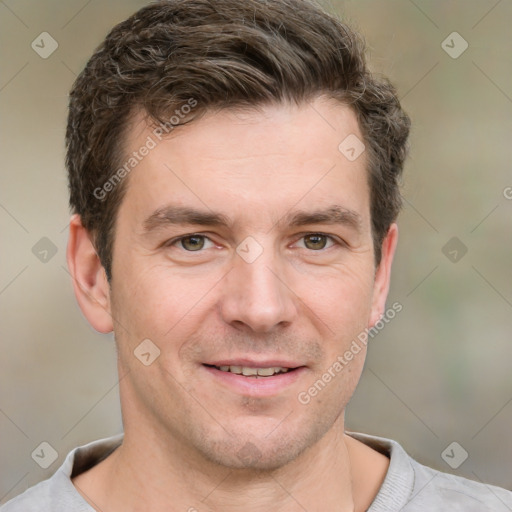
298,304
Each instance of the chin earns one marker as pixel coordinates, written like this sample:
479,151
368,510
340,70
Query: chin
253,456
259,453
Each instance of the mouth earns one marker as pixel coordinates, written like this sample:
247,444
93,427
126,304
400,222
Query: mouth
250,371
256,379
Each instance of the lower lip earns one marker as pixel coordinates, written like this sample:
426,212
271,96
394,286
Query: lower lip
256,386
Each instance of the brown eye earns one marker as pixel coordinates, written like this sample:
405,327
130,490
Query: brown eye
192,242
315,241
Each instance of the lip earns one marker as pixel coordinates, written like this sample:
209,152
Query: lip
251,363
257,387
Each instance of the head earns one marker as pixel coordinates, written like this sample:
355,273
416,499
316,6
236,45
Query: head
225,119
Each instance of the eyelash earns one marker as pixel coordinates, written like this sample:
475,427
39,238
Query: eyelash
334,240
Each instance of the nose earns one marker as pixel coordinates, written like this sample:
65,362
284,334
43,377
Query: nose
256,296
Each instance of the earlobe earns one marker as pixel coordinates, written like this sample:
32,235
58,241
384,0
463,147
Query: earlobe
383,275
90,282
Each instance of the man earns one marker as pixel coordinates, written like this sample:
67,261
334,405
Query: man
233,171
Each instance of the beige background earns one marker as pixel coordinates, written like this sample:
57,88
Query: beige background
438,373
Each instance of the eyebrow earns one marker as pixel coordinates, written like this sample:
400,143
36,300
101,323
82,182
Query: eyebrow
178,215
183,215
332,215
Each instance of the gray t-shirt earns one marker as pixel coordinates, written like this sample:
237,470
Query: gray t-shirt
408,486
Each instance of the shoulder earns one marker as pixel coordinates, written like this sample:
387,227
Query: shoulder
47,496
435,490
58,494
31,500
412,487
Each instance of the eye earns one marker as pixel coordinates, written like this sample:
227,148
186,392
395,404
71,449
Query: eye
193,242
317,241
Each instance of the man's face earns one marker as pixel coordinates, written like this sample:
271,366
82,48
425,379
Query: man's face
272,286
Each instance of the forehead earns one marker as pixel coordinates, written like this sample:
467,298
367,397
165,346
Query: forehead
263,159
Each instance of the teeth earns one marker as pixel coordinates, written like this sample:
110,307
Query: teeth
266,372
252,372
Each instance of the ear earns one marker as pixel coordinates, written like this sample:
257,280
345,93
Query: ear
383,275
90,282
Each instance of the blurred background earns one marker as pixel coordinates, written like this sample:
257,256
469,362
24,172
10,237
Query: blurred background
438,373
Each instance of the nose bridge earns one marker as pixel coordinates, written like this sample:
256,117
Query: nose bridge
255,294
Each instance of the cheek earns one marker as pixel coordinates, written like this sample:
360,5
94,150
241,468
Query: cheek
158,303
344,307
341,295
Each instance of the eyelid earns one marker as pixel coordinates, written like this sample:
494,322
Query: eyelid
173,241
336,240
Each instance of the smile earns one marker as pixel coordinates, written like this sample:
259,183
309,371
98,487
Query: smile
256,379
248,371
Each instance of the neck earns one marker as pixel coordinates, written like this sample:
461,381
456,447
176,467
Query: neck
149,472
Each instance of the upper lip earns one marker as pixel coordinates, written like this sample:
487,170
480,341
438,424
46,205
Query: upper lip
251,363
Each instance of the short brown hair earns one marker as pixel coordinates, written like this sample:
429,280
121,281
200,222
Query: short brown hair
223,54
